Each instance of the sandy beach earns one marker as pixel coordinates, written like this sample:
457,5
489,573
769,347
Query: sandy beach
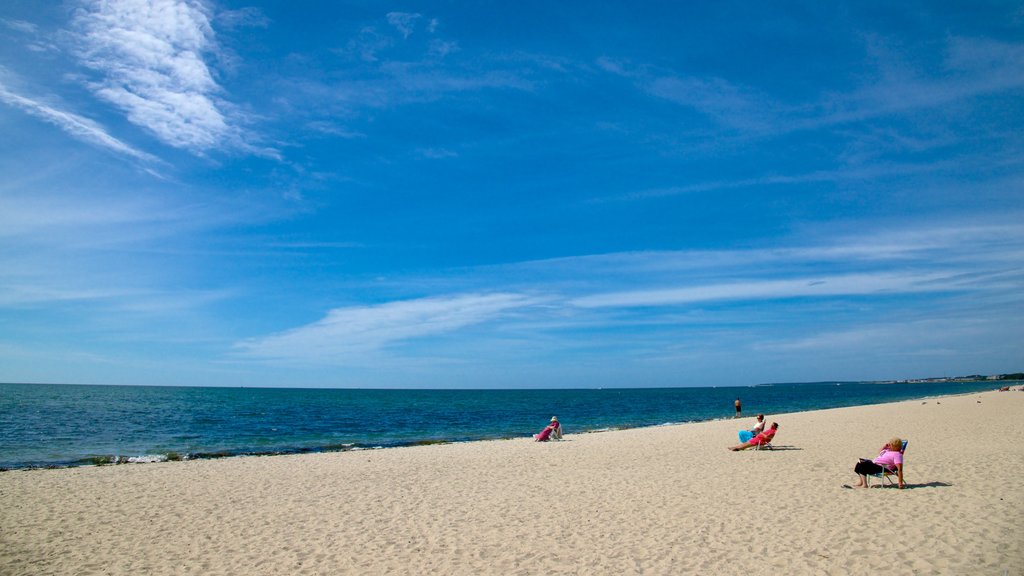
664,500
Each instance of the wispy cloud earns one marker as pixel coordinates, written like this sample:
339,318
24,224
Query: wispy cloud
78,126
437,153
19,25
404,22
243,17
368,43
150,57
346,333
856,173
333,129
970,67
400,83
820,286
726,103
394,69
570,297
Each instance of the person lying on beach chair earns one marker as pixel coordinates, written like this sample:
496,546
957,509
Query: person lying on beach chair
552,431
757,429
763,438
889,461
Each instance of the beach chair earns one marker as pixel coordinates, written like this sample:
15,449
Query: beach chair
765,445
886,474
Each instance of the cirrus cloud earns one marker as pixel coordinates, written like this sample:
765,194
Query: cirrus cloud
150,58
346,333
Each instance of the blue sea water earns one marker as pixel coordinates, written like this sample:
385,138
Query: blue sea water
66,425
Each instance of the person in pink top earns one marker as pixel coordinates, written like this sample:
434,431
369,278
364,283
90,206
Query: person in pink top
552,431
890,458
762,438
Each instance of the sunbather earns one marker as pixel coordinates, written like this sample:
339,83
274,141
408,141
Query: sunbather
890,459
757,429
552,431
762,438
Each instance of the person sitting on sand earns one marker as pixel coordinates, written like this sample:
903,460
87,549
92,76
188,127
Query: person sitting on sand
889,459
552,431
762,438
757,429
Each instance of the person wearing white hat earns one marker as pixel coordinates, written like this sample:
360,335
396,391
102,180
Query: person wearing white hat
552,431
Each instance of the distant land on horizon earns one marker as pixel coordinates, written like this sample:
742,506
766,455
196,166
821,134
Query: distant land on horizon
971,378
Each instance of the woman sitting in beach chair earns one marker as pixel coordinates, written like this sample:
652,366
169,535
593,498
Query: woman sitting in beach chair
761,439
757,429
552,431
890,460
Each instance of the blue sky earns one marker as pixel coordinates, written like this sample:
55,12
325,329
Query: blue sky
527,194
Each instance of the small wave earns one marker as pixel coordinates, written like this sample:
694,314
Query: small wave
146,459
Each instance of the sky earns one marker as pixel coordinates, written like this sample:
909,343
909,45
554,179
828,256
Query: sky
509,194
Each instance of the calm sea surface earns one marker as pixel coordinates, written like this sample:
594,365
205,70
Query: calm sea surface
61,425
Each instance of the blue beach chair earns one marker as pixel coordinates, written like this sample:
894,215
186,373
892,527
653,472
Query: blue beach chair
886,474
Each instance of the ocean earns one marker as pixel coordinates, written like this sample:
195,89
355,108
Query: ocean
70,425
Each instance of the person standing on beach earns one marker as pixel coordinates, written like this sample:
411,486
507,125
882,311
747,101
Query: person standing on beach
738,408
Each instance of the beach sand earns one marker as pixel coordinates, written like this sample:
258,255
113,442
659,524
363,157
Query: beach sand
664,500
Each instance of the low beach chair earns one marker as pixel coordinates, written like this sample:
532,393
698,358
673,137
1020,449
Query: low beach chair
765,445
886,475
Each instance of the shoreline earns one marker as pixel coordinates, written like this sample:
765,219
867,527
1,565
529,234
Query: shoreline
87,460
653,500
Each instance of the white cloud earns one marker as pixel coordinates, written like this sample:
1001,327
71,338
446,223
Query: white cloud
615,66
848,285
333,129
19,25
442,48
346,333
716,98
437,153
78,126
243,17
150,59
368,43
971,67
902,85
405,22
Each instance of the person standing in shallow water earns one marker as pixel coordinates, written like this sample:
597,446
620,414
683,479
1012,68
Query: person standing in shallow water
738,408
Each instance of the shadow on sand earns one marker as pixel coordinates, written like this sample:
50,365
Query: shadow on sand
909,486
927,485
